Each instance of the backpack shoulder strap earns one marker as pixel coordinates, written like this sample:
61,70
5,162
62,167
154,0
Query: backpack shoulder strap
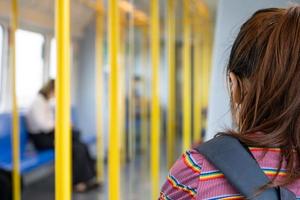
228,155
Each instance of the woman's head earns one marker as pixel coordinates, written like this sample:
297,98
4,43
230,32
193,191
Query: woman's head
264,75
48,89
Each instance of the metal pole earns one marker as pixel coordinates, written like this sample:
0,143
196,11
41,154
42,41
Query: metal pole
205,71
114,139
63,145
62,130
171,127
206,60
197,111
155,109
15,116
99,91
186,76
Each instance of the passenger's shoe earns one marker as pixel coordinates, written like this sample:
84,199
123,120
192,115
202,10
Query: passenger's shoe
80,188
87,186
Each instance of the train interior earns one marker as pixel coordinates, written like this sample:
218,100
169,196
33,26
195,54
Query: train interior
194,39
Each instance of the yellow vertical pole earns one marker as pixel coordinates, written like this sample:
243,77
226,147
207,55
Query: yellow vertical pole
63,145
197,83
203,75
207,59
172,83
114,151
209,56
15,115
99,90
144,102
186,75
155,109
205,70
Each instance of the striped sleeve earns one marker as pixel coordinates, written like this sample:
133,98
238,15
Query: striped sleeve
183,177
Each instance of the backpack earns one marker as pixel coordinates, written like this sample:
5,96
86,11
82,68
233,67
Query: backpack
240,168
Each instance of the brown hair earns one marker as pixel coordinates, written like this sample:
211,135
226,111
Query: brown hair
47,88
266,59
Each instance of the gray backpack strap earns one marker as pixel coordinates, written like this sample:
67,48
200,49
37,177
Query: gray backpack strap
286,194
243,172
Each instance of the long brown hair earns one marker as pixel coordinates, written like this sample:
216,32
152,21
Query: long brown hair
47,88
266,59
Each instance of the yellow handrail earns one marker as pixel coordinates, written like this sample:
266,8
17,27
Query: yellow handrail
197,129
205,71
207,47
63,145
15,116
202,25
155,109
99,93
171,127
186,76
114,151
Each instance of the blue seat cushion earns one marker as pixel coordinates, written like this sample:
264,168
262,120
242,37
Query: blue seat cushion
29,161
5,134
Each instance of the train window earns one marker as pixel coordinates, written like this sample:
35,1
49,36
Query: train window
52,71
29,64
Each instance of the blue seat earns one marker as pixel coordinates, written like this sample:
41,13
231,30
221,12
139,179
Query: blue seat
29,159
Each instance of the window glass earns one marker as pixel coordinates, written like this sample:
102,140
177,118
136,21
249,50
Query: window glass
52,71
29,66
53,61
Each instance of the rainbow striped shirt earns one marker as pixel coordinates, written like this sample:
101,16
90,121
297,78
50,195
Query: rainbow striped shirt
193,177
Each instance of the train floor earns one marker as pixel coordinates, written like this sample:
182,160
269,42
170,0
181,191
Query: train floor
135,184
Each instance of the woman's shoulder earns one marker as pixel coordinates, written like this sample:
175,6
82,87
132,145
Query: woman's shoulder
191,160
183,177
192,172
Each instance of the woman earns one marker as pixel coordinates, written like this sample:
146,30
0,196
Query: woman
6,185
41,124
264,77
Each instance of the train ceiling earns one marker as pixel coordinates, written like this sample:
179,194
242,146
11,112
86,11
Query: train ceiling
39,14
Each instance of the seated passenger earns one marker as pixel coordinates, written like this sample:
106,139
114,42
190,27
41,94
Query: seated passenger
41,123
6,185
264,77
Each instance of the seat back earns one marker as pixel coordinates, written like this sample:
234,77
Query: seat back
6,135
